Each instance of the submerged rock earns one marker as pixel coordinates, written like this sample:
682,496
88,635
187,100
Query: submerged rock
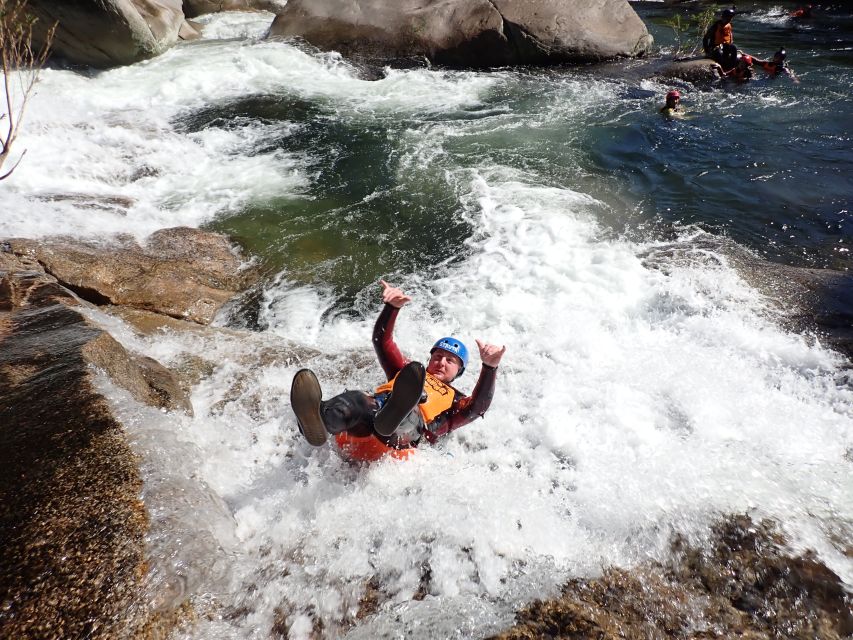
181,272
808,301
699,71
469,33
107,33
745,585
72,524
816,300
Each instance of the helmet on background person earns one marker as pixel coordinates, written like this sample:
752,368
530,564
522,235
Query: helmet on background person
780,55
747,59
673,95
728,13
454,346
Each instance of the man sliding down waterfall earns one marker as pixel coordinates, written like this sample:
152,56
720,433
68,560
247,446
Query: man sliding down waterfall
413,404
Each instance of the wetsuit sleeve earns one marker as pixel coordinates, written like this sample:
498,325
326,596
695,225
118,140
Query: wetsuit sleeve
465,409
386,349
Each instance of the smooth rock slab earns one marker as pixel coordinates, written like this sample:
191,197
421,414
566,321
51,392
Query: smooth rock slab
184,273
696,70
72,524
468,33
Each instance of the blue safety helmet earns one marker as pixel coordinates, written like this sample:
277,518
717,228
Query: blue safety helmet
454,346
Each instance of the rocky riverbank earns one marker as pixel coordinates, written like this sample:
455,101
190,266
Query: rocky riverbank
744,584
73,524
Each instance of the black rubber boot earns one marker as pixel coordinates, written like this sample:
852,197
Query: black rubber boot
404,397
350,411
305,396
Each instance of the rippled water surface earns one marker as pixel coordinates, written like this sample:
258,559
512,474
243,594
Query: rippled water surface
516,206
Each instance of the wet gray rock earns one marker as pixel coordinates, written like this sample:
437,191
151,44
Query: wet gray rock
816,300
184,273
190,30
107,33
467,33
698,71
744,585
807,301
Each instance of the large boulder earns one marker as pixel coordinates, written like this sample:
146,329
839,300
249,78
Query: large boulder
184,273
468,33
72,524
107,33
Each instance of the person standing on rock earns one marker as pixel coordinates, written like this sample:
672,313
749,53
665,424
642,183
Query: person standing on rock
414,404
719,34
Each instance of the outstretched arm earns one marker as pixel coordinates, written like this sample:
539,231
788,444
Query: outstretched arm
383,342
469,408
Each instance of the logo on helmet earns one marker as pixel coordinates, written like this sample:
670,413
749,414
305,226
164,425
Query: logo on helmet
452,348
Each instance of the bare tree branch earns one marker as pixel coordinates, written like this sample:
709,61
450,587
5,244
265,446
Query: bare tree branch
18,60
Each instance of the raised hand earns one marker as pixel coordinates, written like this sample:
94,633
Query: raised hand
490,354
393,296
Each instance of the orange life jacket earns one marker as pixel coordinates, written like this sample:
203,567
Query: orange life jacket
368,448
723,34
439,396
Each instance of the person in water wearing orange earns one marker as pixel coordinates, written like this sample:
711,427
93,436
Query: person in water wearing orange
742,71
777,66
415,403
719,34
801,12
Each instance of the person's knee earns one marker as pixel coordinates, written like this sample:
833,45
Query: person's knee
348,411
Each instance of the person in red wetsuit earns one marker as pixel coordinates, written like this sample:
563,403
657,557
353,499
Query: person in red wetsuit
415,403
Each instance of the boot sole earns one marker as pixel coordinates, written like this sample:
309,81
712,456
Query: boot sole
305,396
404,397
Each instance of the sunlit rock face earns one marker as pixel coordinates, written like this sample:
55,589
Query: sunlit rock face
109,33
469,34
72,524
184,273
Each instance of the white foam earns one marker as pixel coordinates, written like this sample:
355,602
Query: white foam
104,153
631,404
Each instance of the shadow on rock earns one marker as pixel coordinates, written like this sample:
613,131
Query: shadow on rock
72,523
